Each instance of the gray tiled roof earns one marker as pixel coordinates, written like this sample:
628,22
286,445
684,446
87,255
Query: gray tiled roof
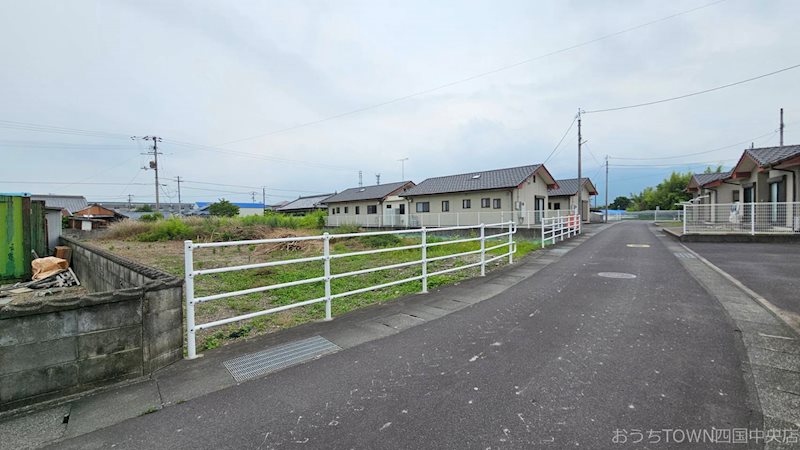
474,181
376,192
705,178
771,155
303,203
568,186
71,203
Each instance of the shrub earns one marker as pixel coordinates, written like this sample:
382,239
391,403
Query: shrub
151,217
381,240
223,208
166,230
346,229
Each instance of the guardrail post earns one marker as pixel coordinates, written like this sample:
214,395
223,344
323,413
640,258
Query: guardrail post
753,218
326,254
684,218
511,242
188,269
544,242
483,250
424,261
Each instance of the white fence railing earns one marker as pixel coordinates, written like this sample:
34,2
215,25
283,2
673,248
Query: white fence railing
654,215
522,219
556,229
742,218
327,258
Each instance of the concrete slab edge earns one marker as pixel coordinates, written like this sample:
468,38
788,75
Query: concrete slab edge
778,313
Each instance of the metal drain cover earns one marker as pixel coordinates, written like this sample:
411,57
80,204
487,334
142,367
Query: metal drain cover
685,255
620,275
254,365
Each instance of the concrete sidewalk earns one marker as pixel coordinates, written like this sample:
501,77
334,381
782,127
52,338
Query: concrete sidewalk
771,344
190,379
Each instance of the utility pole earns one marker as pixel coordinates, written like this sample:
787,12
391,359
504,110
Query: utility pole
580,186
130,206
377,178
781,128
605,216
253,196
403,168
360,178
153,163
264,198
180,205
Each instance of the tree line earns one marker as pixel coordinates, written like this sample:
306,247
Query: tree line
666,195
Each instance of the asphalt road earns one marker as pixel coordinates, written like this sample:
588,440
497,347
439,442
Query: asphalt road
771,270
563,358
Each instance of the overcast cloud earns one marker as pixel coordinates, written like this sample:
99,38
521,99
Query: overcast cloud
213,72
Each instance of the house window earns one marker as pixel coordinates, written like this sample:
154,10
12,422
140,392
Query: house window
445,205
466,204
358,210
549,205
735,196
496,203
556,205
333,211
423,207
345,209
338,210
388,206
372,209
485,202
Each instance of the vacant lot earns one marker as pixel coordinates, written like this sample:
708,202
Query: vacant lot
168,256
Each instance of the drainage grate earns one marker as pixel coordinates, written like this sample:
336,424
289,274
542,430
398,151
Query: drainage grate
261,363
685,255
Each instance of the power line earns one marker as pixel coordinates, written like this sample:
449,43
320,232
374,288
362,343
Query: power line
213,149
704,91
747,141
472,77
695,163
560,140
25,126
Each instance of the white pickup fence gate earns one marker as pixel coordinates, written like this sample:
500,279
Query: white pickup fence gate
327,257
556,229
742,218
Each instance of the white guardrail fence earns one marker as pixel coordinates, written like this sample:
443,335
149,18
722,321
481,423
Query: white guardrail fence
742,218
556,229
521,219
327,258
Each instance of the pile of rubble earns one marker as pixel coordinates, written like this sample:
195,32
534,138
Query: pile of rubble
51,276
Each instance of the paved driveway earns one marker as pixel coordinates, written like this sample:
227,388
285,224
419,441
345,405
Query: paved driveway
562,359
771,270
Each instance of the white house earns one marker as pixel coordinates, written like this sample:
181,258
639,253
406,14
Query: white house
373,206
489,196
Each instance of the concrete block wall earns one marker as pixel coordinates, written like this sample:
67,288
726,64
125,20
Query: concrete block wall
55,347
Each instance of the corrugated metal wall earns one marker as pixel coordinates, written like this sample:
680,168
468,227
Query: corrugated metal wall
14,259
38,229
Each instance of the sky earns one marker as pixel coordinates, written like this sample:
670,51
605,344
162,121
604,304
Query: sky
248,94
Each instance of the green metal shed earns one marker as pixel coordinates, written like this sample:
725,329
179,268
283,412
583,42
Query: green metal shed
24,229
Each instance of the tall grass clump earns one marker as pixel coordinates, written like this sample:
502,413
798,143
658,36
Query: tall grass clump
167,230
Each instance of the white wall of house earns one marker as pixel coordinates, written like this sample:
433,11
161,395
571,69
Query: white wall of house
251,212
533,195
355,213
562,205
